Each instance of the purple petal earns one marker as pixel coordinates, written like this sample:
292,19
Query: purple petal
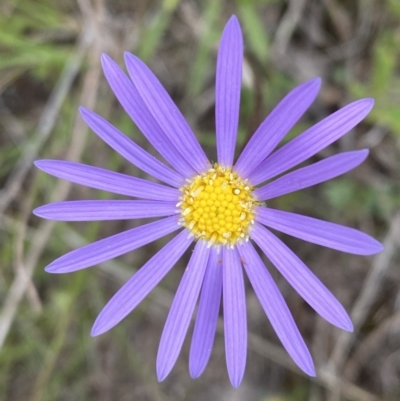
321,171
98,210
227,90
301,278
134,106
139,286
98,178
166,113
280,121
181,311
312,141
319,232
111,247
207,316
275,308
235,320
129,150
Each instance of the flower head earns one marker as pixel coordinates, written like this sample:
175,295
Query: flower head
218,207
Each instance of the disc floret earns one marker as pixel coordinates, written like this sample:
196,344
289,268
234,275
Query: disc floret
218,206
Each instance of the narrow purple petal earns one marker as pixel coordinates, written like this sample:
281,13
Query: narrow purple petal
181,311
98,210
105,180
207,316
312,141
319,232
166,113
301,278
235,319
275,308
274,128
316,173
140,284
129,150
227,90
134,106
111,247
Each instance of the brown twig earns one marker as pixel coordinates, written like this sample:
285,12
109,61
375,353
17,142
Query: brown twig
364,302
88,98
287,26
46,123
20,236
370,345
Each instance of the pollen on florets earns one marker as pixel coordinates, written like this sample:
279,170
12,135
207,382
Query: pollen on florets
217,206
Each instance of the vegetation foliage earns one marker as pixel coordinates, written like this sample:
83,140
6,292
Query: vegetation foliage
49,65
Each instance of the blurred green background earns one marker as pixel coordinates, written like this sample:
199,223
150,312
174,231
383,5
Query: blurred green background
49,65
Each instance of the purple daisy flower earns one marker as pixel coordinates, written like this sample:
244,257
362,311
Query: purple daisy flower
216,206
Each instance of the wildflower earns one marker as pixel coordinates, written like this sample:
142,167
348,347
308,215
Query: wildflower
218,207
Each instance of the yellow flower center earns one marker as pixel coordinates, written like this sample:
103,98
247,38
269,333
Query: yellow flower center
218,206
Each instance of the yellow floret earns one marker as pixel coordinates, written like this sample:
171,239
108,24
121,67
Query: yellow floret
218,206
